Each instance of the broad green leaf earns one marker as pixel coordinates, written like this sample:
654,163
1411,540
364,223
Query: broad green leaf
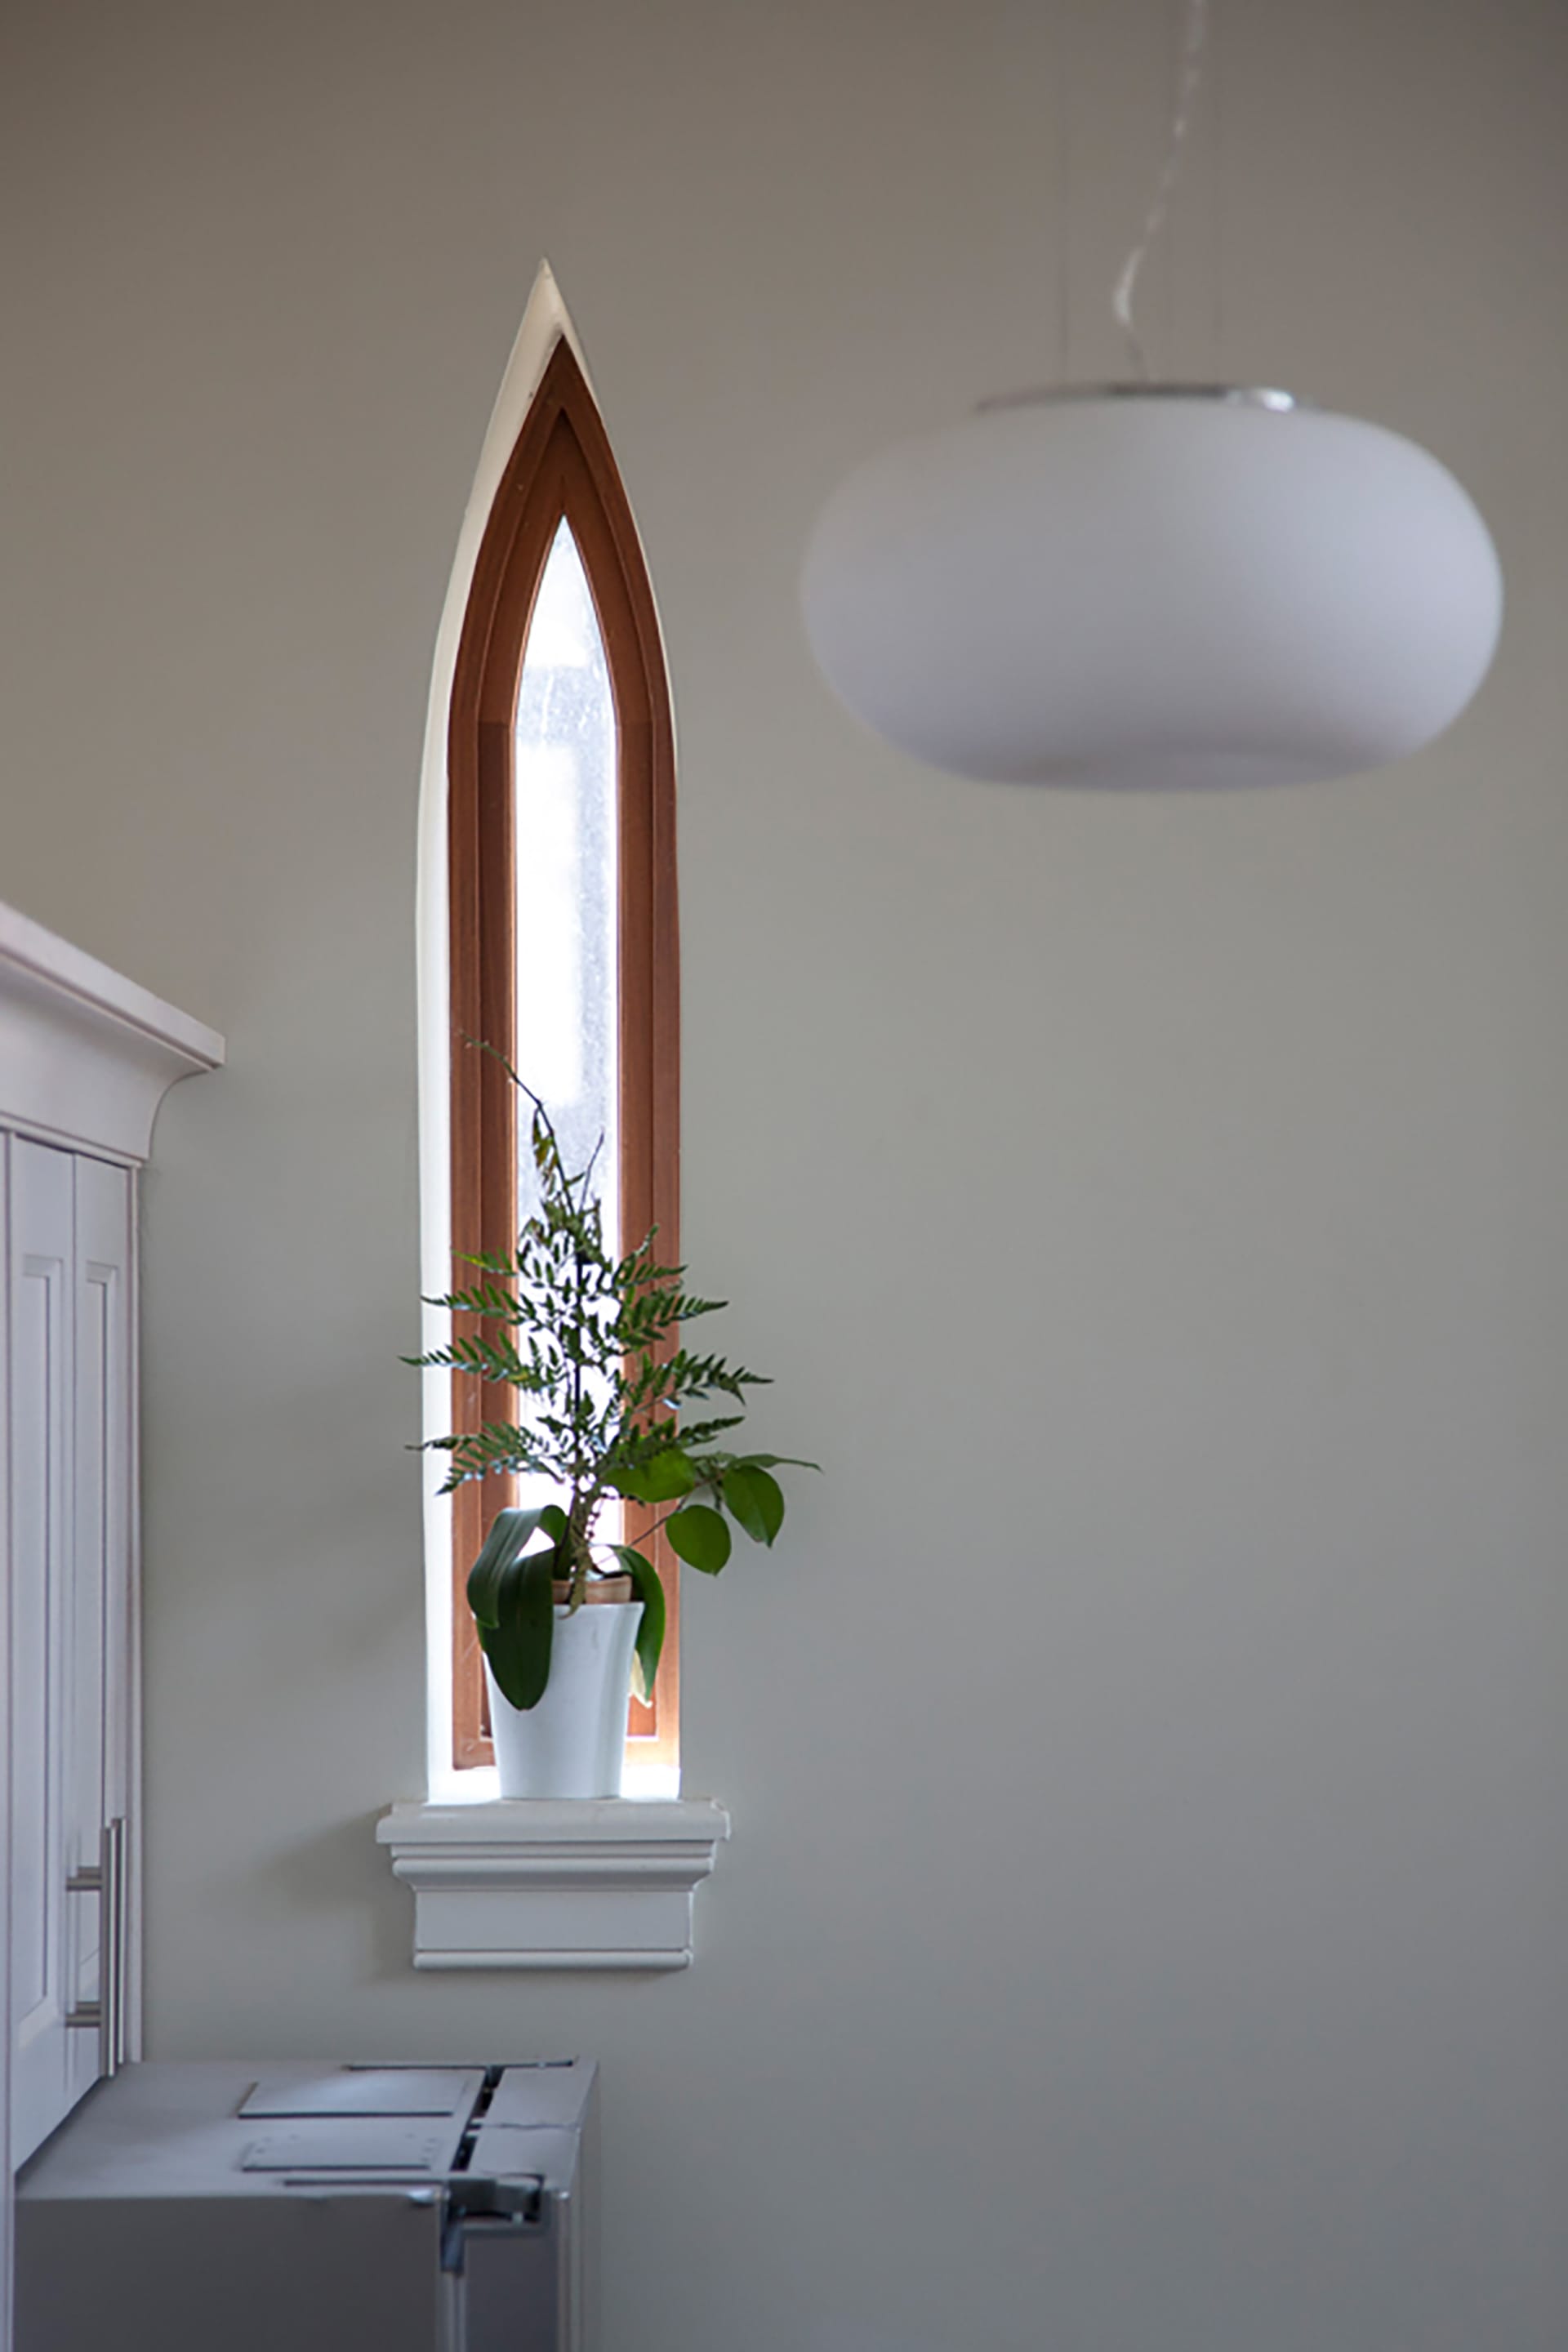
650,1631
663,1479
754,1501
519,1647
699,1537
511,1534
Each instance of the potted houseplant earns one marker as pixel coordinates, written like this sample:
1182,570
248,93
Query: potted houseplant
590,1344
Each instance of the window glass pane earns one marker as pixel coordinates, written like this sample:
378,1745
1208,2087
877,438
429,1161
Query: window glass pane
566,894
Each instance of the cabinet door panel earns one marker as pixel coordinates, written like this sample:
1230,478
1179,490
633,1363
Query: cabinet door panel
97,1668
98,1673
41,1346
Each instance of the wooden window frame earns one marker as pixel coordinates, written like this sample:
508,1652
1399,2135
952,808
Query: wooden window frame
561,469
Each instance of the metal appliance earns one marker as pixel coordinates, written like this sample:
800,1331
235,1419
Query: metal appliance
185,2206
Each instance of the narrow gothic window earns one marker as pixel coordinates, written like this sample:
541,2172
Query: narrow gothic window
562,917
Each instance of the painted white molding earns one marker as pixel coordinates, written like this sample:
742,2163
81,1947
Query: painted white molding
86,1056
568,1883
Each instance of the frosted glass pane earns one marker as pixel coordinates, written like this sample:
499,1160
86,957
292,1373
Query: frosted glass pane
567,982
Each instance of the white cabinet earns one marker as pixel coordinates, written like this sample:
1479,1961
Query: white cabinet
86,1058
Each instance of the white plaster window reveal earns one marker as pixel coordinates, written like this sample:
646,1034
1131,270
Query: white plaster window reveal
564,1883
568,1883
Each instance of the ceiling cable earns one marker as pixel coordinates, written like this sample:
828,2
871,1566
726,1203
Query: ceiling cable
1189,81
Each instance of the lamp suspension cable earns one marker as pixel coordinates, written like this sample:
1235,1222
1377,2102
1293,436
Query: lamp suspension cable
1189,81
1064,81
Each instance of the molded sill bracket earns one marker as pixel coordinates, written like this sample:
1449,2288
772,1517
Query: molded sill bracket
560,1883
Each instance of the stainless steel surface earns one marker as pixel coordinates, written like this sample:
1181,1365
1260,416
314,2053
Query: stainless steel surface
363,2145
1230,395
106,2015
313,2208
116,1944
367,2090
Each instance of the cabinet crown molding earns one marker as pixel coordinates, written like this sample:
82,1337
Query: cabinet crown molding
86,1056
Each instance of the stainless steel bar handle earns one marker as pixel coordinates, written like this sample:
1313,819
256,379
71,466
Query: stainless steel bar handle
106,2015
122,1944
111,1965
109,2049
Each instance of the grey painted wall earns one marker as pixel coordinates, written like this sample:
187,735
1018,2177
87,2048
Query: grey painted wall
1144,1927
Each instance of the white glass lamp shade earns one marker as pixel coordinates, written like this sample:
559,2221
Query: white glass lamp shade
1153,588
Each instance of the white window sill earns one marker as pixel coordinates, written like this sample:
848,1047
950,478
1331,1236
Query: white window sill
563,1883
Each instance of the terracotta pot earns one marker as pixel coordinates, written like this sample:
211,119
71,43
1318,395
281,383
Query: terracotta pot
604,1591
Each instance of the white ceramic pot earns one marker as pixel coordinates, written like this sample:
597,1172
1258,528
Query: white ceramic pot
572,1743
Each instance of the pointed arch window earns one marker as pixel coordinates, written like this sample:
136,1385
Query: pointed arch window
561,907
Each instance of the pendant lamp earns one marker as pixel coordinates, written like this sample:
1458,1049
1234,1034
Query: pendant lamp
1153,585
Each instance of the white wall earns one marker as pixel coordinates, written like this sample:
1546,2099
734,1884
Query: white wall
1144,1928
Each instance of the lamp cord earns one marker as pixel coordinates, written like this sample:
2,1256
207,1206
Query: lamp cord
1188,83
